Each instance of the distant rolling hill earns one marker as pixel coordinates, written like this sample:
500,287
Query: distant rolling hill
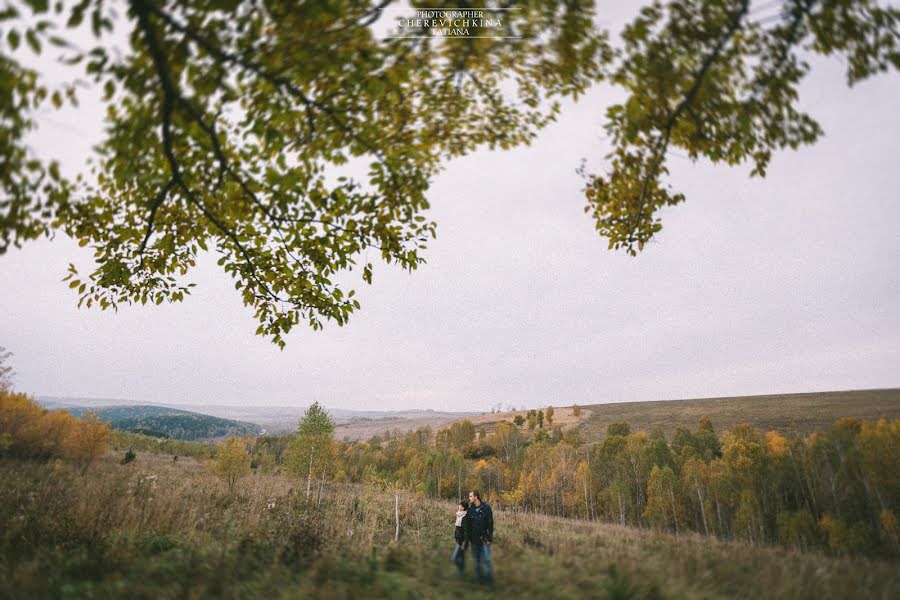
786,413
160,421
351,424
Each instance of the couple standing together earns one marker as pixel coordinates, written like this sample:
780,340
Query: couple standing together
475,528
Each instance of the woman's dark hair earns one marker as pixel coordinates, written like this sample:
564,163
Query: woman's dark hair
464,504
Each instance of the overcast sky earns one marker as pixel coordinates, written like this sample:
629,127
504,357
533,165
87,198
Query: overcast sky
787,284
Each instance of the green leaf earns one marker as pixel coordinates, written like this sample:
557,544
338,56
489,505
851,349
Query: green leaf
33,42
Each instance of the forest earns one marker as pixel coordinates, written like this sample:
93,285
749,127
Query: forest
161,422
836,489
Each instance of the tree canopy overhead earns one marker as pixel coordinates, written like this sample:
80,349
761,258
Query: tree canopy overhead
230,125
719,79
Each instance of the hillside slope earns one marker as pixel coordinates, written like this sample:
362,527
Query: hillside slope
160,421
786,413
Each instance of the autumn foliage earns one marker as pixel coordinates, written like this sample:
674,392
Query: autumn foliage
835,490
29,431
232,462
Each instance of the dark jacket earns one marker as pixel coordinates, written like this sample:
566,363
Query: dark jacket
480,524
460,533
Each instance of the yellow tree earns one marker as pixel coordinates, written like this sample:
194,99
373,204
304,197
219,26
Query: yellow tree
19,418
879,451
745,459
481,477
661,508
87,441
561,483
232,462
461,434
536,467
548,415
54,427
507,440
584,483
695,477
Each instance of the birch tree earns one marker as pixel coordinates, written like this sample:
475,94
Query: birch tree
310,451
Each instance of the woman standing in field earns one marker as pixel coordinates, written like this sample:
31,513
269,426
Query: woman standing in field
459,553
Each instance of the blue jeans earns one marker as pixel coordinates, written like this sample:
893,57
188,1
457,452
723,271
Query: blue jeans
459,557
482,554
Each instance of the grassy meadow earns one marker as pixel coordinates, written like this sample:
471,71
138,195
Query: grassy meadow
158,528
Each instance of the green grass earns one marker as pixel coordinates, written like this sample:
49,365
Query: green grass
786,413
158,529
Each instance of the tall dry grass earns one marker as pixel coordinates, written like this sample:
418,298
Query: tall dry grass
156,528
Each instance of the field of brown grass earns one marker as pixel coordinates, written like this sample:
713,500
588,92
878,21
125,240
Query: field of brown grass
562,416
786,413
363,429
161,529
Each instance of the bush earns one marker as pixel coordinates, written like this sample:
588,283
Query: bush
29,431
129,456
157,543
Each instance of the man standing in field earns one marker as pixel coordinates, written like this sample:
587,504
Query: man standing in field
480,533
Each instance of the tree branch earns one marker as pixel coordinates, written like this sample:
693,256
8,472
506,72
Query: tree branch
154,206
170,95
366,19
278,81
661,147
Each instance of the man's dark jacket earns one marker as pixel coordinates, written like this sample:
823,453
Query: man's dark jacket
479,524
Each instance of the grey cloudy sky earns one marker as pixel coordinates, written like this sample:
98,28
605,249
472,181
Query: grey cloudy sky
786,284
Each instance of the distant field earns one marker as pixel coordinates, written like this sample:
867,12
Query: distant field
787,413
365,428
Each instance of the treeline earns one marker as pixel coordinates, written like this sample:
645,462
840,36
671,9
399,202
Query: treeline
29,431
838,490
147,442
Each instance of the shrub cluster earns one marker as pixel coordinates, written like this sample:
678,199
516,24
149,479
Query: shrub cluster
29,431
